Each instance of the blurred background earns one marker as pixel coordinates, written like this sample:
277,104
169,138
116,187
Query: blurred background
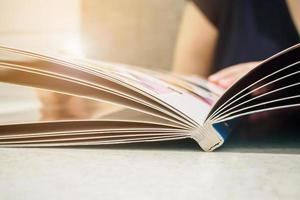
136,32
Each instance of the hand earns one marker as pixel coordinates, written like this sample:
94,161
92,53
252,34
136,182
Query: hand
226,77
229,75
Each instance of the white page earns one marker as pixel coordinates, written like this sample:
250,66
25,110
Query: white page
140,99
176,97
101,142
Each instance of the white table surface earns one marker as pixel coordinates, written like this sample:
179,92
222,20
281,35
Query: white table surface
175,170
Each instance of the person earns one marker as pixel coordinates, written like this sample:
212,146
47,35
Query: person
230,37
215,34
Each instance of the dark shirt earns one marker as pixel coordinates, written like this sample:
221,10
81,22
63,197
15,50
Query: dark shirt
249,30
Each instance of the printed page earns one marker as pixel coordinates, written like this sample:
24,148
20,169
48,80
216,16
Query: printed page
98,78
184,103
195,106
205,86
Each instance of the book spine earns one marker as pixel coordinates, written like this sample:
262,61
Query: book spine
207,137
223,129
212,135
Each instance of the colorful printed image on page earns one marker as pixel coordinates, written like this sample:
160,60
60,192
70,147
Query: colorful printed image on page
201,94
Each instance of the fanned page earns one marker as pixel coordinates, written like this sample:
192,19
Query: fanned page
273,85
151,106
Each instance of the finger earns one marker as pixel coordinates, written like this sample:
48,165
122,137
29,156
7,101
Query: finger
227,81
222,74
225,78
232,70
230,80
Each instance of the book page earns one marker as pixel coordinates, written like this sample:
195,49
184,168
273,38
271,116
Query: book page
89,76
179,99
135,116
96,141
256,76
166,94
82,131
163,89
74,88
280,84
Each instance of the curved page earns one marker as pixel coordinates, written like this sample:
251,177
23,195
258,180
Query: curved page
274,63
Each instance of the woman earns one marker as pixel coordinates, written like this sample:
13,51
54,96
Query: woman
227,38
217,34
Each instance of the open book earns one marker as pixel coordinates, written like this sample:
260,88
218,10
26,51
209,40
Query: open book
152,106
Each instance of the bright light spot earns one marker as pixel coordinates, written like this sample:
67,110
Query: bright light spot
72,47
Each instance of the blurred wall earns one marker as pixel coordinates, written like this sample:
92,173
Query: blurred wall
137,32
40,24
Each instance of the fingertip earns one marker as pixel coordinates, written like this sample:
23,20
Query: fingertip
213,78
225,83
